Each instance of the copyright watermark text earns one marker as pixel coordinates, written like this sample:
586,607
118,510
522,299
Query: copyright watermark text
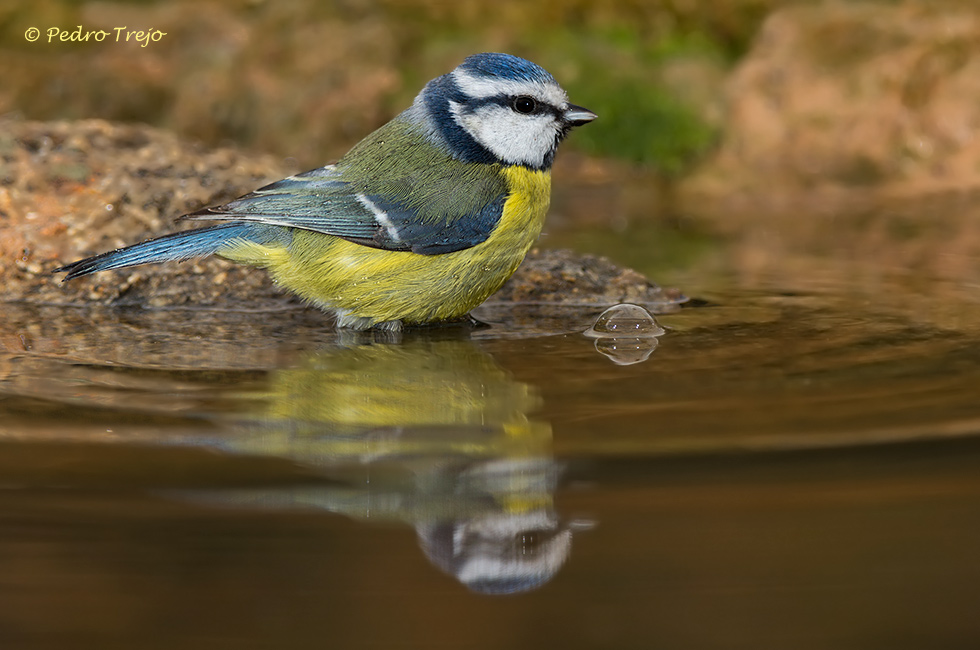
115,35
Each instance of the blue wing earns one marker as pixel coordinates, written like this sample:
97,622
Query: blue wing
321,200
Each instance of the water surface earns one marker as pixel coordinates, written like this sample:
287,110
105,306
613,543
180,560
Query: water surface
784,470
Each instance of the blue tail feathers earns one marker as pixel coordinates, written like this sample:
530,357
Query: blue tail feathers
177,246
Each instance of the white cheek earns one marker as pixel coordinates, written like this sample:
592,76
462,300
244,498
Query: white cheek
514,138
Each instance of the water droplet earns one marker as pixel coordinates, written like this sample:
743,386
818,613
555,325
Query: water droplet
626,351
624,321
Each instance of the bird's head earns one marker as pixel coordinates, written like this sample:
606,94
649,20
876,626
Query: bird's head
499,108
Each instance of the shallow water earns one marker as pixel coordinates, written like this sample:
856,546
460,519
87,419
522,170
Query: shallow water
787,468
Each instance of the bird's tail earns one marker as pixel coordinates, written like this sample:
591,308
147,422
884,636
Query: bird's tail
174,247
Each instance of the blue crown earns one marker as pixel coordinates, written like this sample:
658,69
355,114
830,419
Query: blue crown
505,66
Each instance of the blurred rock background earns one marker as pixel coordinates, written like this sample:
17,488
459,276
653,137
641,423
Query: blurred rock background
848,93
786,129
308,79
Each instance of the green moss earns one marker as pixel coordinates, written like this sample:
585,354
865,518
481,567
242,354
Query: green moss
641,122
641,117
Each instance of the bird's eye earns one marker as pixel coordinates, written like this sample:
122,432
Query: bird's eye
524,104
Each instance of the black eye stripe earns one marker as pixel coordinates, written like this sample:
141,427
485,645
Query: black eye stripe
507,101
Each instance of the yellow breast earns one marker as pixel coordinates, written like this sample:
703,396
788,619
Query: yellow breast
366,286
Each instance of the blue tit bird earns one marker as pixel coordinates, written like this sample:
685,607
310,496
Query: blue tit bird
419,222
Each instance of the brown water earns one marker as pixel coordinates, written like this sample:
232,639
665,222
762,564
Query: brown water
792,467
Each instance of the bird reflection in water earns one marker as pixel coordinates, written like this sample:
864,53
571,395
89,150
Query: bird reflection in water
433,433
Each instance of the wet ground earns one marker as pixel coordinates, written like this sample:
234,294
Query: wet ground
793,465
